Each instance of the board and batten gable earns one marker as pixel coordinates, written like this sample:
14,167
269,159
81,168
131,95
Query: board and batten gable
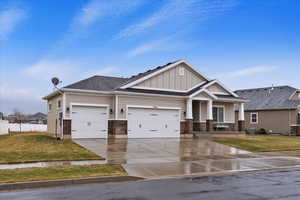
180,77
217,89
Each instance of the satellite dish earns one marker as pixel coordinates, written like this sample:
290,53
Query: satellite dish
55,81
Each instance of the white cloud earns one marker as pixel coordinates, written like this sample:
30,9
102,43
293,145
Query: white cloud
96,9
107,71
176,10
9,19
150,46
250,71
50,68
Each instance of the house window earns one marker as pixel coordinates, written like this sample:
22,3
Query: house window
49,107
58,104
218,114
254,118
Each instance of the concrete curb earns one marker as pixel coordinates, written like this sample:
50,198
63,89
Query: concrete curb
66,182
228,173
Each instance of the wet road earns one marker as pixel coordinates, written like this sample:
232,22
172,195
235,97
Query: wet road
244,186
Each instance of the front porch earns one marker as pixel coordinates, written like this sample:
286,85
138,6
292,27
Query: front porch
208,116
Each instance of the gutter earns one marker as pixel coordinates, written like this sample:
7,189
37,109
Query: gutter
129,93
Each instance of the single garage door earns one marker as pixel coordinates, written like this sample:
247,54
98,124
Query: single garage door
153,123
89,122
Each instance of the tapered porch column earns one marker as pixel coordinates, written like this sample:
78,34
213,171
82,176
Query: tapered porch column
241,122
189,117
209,120
189,109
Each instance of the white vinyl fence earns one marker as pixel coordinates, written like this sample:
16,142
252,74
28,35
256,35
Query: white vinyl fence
4,126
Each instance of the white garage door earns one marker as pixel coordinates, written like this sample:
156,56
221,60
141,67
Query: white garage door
153,123
89,122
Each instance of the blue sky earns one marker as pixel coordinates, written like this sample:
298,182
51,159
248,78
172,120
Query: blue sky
242,43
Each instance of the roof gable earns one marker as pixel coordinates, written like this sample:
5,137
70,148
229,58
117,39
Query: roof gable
151,74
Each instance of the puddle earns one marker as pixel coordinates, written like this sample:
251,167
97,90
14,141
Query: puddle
48,164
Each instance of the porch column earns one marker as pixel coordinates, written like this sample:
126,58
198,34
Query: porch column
189,117
189,109
209,120
241,122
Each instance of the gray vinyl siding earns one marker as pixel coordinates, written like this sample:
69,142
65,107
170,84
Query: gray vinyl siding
53,115
86,98
278,121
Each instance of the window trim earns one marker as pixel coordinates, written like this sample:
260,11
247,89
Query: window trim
220,106
251,118
49,106
58,105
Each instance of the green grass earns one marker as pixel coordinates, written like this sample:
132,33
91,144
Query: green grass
263,143
36,147
59,172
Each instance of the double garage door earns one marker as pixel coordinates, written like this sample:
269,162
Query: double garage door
153,123
92,122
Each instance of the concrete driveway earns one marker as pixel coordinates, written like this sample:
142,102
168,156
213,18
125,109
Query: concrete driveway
153,158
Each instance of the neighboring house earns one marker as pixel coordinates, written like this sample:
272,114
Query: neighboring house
275,109
169,101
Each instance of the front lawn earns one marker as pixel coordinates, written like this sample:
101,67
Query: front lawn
262,143
59,172
36,147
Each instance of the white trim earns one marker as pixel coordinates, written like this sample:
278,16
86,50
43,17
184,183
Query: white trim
169,90
251,118
199,91
58,100
220,93
242,112
211,83
297,91
116,107
203,90
139,106
200,109
227,89
151,107
160,71
168,108
224,110
149,95
88,105
158,89
49,110
63,113
209,110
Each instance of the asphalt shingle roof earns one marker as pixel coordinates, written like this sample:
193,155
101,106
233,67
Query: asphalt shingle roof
269,98
108,83
99,83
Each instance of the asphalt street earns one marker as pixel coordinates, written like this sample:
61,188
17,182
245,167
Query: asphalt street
243,186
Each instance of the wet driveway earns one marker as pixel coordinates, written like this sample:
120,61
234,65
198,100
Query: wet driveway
155,158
